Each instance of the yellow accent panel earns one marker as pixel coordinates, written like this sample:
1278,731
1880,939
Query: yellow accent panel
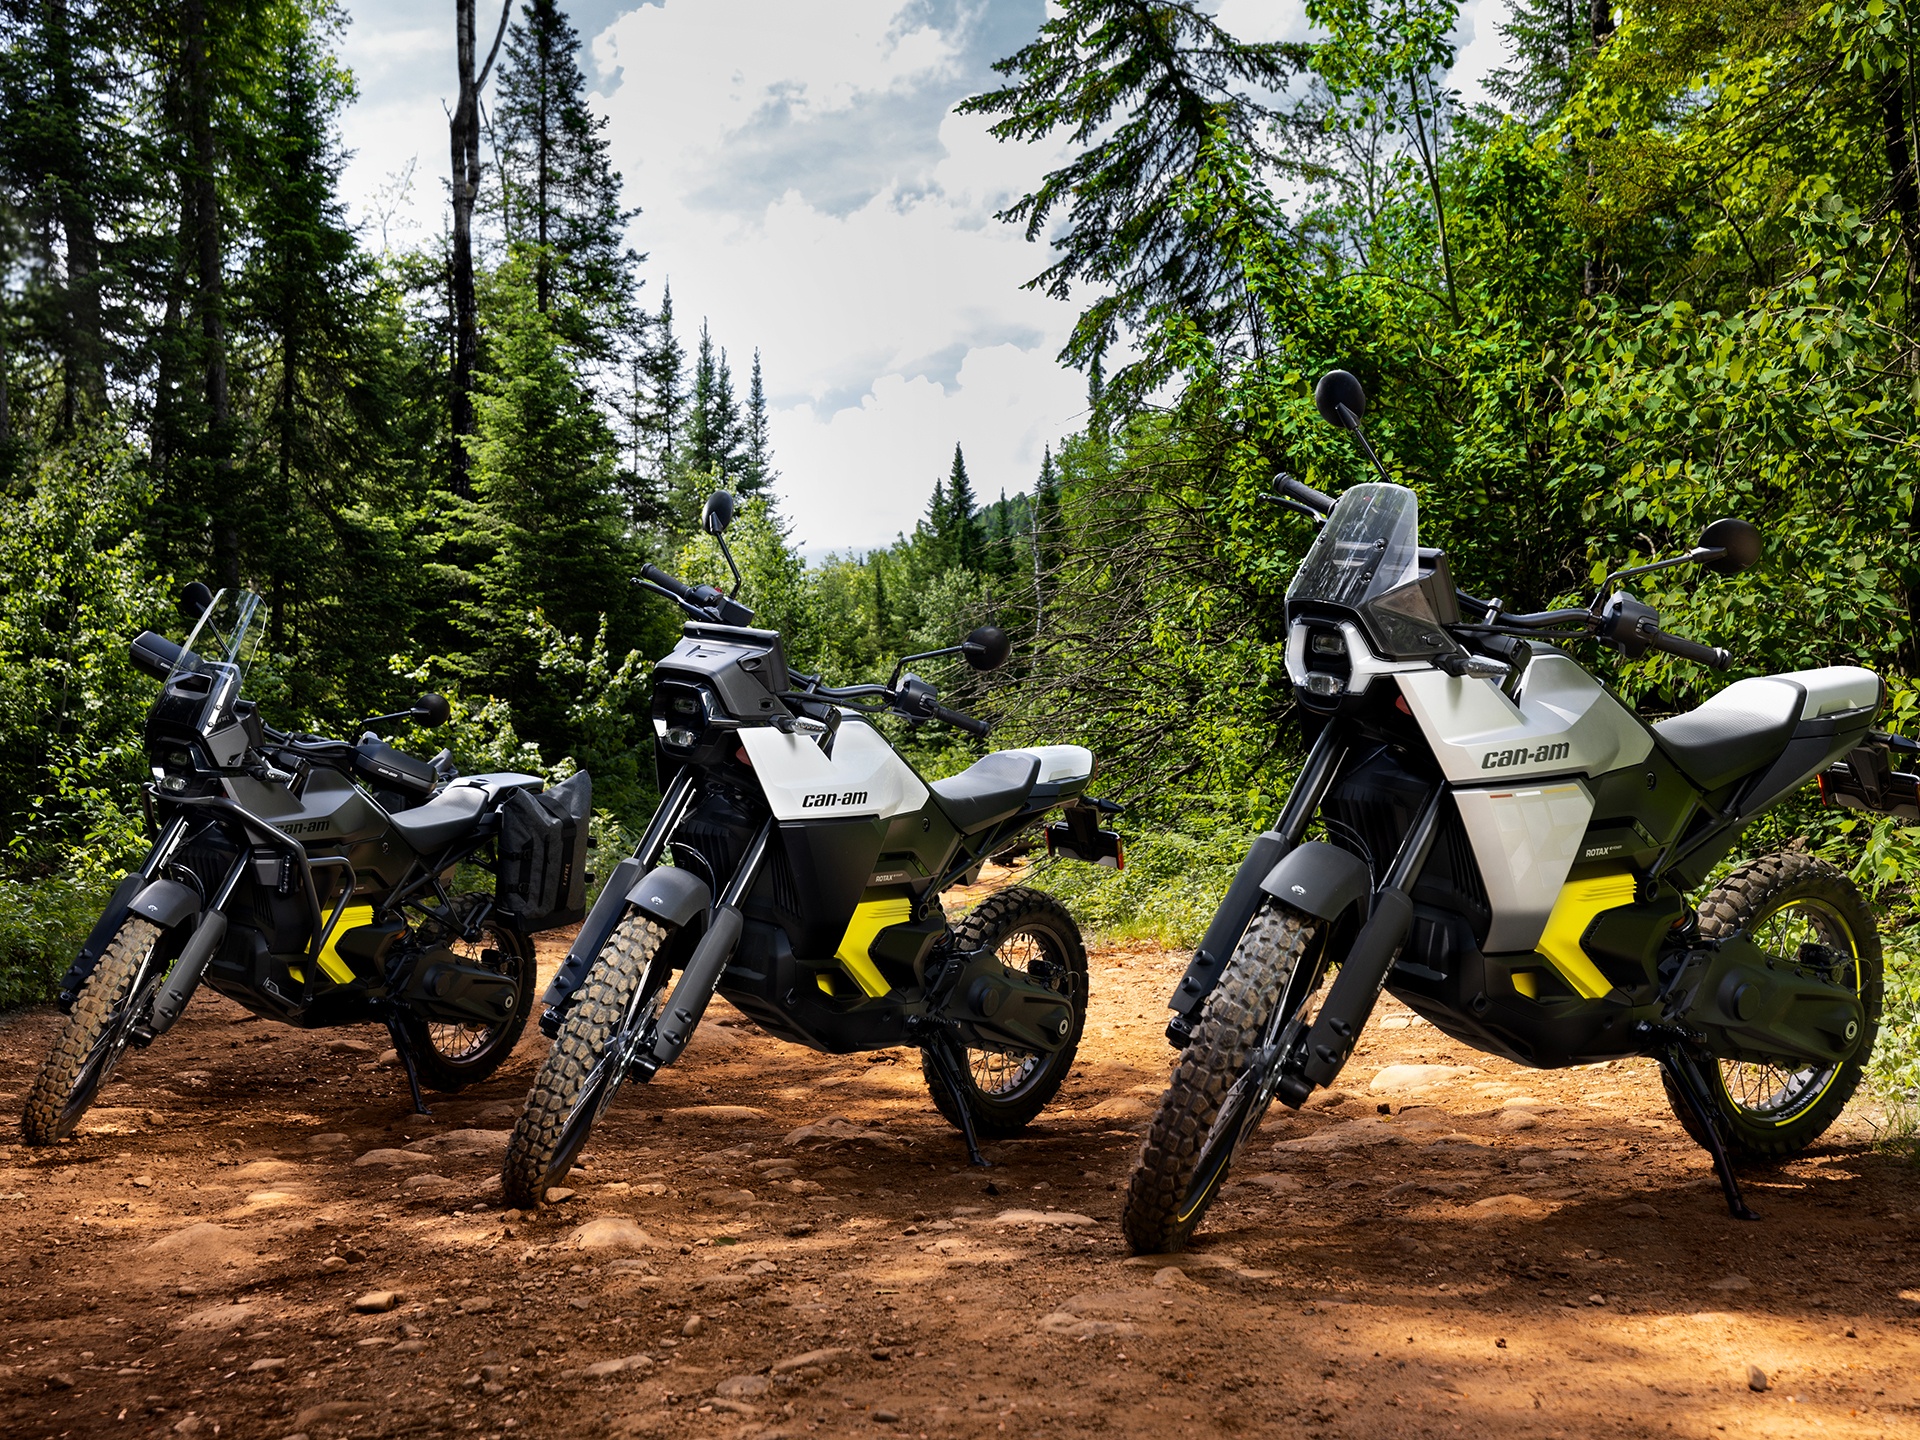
1527,982
331,965
1573,912
825,982
870,917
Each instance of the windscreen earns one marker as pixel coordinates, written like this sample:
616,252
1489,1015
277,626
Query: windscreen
1369,545
227,634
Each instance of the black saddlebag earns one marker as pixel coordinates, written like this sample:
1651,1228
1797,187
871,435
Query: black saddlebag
542,881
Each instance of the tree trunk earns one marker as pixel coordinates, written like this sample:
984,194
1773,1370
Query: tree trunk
464,141
84,379
210,287
1900,172
543,282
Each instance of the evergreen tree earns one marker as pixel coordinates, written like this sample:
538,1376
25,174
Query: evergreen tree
965,542
1550,41
715,442
559,191
757,471
545,531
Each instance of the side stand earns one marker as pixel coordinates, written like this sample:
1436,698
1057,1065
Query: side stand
940,1046
1685,1075
405,1052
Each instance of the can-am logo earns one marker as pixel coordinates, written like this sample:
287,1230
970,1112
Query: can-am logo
1525,755
834,799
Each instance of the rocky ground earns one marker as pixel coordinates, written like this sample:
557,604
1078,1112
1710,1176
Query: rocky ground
252,1236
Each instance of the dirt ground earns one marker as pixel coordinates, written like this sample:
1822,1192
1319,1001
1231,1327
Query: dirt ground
770,1242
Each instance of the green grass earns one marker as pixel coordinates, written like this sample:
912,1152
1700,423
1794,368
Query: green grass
1165,896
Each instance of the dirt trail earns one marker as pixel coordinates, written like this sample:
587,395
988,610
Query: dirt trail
770,1242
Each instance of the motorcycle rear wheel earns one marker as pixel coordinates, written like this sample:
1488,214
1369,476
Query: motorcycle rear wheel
91,1040
451,1057
574,1085
1782,901
1030,931
1184,1159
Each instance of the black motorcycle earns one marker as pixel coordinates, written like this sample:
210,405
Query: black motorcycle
309,879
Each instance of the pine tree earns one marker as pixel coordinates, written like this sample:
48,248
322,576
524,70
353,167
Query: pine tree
714,443
559,190
1044,514
966,544
1551,41
757,471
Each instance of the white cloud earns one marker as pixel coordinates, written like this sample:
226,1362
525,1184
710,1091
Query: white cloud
806,187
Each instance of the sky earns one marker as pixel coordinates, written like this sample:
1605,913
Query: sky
806,189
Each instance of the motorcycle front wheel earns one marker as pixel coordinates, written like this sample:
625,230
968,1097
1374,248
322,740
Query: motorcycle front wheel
576,1081
92,1038
1202,1118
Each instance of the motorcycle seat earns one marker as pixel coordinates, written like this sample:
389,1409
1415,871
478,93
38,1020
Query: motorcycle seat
988,791
1748,725
441,820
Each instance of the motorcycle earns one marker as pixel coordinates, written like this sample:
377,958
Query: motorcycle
1510,851
309,880
807,864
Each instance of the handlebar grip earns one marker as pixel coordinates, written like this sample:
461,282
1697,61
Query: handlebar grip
976,728
153,654
1305,494
667,583
1688,649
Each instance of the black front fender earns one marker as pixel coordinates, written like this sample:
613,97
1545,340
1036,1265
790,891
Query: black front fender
1321,880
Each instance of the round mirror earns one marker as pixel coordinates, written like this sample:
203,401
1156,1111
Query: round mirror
1336,389
719,512
431,709
987,648
1739,539
194,600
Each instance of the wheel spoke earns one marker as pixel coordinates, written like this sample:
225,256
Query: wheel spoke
1775,1094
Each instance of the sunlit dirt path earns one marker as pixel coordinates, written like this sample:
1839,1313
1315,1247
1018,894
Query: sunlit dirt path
771,1242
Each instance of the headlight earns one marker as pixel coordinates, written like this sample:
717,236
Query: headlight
1318,682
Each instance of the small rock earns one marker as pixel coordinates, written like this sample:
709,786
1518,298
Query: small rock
884,1417
1517,1120
1732,1282
392,1157
326,1142
59,1381
696,1325
1042,1217
882,1352
1399,1078
762,1267
611,1232
261,1367
1327,1099
730,1407
188,1426
1640,1210
558,1194
1596,1299
332,1264
408,1347
388,1057
343,1045
375,1302
154,1117
1756,1378
144,1182
811,1359
476,1304
742,1387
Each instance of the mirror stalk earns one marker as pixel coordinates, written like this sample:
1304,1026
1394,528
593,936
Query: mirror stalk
1352,422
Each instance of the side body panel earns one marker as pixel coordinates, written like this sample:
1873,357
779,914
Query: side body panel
863,776
1525,838
1564,723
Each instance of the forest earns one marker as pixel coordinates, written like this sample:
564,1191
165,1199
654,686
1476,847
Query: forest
1668,272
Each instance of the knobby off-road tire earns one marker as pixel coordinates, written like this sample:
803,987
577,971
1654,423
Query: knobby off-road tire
544,1144
451,1057
1164,1207
1768,1112
67,1084
1030,931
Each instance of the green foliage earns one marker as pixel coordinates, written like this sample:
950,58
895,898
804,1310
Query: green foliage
1167,894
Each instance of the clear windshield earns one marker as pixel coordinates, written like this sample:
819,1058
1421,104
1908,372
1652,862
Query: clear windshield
1369,545
226,636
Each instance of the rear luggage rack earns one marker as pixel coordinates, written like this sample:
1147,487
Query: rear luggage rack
1866,779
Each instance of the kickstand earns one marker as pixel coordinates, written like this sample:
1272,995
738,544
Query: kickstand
940,1047
405,1053
1686,1079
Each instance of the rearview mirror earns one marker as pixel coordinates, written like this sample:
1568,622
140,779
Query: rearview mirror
719,512
1738,541
194,600
987,648
1336,391
431,709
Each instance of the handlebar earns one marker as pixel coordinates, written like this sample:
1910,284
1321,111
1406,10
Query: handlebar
1301,494
154,655
976,728
682,592
1685,649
